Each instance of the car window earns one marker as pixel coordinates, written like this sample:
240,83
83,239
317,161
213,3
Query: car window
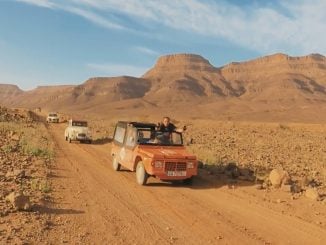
131,137
176,138
119,134
143,135
79,124
159,138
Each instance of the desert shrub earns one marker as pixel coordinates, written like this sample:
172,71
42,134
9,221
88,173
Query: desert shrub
33,141
7,148
45,186
284,126
41,185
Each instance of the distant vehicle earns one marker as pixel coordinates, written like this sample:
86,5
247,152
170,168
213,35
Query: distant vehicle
139,147
52,117
78,130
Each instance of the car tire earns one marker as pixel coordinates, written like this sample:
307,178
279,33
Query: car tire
115,164
141,175
69,139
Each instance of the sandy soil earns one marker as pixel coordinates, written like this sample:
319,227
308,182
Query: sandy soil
92,204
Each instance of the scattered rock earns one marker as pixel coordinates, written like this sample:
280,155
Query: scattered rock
15,137
296,188
18,173
312,194
279,177
19,201
10,174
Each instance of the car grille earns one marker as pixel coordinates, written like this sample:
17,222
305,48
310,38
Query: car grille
175,166
82,135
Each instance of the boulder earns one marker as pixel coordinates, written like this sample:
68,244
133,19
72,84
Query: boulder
279,177
19,201
19,173
312,194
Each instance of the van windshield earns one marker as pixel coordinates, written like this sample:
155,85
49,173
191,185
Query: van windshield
153,137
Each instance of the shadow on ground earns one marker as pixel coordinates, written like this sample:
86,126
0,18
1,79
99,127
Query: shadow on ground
102,141
214,176
47,210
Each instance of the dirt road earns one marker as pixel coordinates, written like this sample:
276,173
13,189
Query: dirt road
95,205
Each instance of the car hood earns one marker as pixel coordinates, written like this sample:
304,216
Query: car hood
171,152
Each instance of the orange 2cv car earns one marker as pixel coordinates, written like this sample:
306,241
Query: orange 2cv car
140,147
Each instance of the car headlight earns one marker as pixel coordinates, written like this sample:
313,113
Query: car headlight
190,165
158,164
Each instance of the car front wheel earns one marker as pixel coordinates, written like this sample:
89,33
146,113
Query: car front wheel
141,175
115,164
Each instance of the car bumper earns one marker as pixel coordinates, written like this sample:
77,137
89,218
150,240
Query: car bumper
53,120
83,138
175,175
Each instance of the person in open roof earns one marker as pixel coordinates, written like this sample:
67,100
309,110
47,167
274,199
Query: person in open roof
167,127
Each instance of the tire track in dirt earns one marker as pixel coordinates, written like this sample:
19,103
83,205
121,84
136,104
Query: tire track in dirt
119,211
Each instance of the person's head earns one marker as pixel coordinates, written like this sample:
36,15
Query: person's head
140,135
166,121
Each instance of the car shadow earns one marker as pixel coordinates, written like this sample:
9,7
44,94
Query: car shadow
102,141
215,176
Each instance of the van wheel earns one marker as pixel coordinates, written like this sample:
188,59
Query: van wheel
66,138
141,175
115,164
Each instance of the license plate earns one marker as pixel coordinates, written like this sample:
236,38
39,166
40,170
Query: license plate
177,173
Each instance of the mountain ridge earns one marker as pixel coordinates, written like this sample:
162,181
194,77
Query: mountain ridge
274,81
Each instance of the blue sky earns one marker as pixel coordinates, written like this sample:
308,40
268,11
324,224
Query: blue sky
50,42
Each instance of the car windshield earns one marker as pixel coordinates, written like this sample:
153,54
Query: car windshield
152,137
79,123
52,115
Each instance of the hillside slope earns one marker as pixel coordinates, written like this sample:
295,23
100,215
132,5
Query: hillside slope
273,87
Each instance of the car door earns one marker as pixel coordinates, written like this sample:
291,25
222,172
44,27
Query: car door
127,151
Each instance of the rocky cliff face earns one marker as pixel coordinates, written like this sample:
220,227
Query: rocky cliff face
275,81
280,76
8,93
312,66
188,76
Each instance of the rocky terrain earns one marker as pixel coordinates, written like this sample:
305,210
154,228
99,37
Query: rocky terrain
254,179
26,154
251,151
262,177
297,149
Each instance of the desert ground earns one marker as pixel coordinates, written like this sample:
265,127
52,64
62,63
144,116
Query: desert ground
258,129
75,197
